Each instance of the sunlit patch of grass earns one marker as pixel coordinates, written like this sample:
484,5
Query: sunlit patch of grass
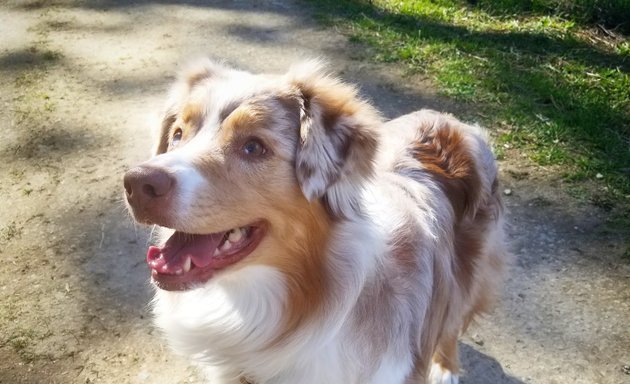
559,93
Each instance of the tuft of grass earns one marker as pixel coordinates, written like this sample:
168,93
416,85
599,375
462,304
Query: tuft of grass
24,340
10,232
559,91
50,55
20,343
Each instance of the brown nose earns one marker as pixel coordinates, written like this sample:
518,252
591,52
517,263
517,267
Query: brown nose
147,187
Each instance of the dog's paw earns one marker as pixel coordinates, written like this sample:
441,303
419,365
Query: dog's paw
440,375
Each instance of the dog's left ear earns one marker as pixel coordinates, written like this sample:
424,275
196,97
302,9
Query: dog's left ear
338,139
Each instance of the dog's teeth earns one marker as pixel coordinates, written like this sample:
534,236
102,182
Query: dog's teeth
227,245
216,252
235,235
179,272
187,265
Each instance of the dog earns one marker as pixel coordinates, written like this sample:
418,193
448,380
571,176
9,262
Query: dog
305,240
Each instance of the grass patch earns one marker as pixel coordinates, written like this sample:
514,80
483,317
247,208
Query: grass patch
613,14
544,83
24,342
10,232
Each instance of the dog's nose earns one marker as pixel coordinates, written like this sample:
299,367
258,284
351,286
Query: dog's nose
146,184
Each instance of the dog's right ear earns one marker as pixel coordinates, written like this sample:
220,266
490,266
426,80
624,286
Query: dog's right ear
193,74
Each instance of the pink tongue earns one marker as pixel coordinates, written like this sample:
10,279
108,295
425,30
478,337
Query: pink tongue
180,246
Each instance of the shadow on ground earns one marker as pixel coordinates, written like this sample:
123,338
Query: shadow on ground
479,368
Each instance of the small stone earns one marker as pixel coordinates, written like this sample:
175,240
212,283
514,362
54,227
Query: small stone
143,376
599,176
477,339
507,192
626,369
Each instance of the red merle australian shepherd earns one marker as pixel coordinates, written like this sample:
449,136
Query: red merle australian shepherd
305,241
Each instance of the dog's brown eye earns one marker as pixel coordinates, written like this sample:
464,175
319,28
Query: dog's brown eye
177,137
254,147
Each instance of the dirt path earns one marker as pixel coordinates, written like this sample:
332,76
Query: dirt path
77,80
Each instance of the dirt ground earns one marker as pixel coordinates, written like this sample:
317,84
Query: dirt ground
78,82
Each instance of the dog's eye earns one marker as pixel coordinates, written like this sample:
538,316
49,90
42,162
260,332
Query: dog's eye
177,137
254,147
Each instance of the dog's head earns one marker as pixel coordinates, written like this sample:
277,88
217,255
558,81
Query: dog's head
249,168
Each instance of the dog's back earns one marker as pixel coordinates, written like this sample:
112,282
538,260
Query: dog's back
449,176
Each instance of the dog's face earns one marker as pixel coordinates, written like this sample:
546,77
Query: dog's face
249,169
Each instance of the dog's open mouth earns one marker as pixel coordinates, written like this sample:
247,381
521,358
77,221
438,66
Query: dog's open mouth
187,260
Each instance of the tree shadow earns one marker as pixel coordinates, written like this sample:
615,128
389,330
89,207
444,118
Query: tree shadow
255,34
28,57
37,145
263,5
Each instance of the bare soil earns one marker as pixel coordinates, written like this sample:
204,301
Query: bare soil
78,83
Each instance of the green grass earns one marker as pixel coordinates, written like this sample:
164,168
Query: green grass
613,14
548,85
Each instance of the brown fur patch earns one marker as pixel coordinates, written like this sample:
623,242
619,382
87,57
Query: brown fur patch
469,236
193,115
228,109
418,372
305,235
199,72
447,355
487,215
443,153
469,241
245,121
248,117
